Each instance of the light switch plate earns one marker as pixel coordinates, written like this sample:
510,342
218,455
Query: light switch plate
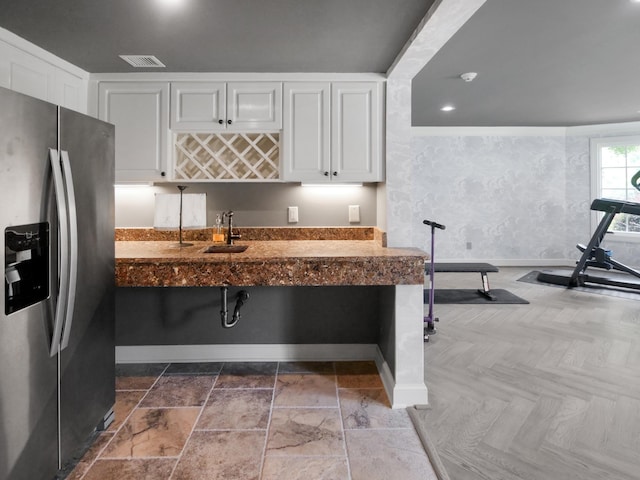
292,214
354,213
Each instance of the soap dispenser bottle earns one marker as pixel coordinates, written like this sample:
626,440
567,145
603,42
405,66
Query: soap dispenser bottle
218,233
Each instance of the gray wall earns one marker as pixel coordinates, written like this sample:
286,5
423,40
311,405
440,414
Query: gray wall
257,204
272,315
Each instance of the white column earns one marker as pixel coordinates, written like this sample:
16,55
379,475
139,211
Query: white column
404,376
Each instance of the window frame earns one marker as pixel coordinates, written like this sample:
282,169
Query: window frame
595,149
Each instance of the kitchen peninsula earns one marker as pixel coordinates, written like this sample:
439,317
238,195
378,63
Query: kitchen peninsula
344,279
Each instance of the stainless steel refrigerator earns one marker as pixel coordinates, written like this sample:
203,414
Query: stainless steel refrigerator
57,365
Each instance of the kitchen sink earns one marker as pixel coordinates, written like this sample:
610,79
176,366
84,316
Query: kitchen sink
226,248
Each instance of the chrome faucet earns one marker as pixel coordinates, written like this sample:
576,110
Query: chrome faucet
230,235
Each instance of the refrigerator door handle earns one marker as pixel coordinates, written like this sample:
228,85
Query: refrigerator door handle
63,260
73,247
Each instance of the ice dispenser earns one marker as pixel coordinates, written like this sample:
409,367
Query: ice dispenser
26,265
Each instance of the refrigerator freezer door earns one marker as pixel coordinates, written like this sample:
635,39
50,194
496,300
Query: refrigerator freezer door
87,364
28,375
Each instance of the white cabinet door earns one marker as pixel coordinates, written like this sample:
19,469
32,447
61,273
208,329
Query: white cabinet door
355,132
140,112
254,106
70,91
219,106
198,106
26,74
332,132
306,146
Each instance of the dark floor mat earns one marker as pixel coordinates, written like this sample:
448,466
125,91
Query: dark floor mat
469,296
532,277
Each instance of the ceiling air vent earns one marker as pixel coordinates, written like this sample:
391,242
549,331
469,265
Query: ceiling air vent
142,61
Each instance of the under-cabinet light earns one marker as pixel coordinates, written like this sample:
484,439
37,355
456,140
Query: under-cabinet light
133,185
330,185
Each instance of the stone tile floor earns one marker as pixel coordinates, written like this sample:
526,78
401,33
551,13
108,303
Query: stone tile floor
285,421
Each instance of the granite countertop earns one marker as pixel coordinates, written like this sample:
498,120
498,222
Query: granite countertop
268,263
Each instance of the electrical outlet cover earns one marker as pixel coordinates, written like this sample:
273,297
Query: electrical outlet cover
354,213
292,214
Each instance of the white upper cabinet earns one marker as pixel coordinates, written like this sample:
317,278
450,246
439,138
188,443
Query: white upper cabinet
210,130
332,132
306,134
355,132
254,105
70,91
140,112
27,73
198,106
234,106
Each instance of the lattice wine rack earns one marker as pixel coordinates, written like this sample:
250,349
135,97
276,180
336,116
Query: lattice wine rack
227,156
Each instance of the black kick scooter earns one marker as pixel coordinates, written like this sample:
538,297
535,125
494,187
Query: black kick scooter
429,327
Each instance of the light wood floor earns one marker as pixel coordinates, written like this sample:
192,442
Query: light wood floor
549,390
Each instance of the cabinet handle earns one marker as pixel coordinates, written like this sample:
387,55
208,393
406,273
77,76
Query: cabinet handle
335,174
163,174
326,174
229,122
220,121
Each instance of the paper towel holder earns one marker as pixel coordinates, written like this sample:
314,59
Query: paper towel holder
180,242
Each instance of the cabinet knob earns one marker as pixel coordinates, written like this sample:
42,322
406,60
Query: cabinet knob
220,121
163,174
335,174
229,122
326,174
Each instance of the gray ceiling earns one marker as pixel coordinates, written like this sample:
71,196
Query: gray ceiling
220,35
539,62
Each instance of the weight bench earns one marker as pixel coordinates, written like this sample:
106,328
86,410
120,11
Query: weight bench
482,268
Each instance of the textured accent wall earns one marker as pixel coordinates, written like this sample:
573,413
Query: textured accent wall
504,197
516,199
577,224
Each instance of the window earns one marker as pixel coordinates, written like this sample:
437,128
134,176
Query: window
615,160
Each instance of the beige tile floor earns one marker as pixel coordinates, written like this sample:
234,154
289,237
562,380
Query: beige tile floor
285,421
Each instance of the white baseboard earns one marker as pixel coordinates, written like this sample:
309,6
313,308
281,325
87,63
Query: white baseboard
400,395
246,353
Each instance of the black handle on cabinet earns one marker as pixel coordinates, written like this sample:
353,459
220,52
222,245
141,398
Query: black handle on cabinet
163,174
326,174
335,174
229,122
220,121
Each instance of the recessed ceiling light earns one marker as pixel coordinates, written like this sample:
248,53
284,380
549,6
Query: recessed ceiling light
447,108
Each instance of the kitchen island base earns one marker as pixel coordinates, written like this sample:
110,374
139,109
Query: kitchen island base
304,295
181,324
